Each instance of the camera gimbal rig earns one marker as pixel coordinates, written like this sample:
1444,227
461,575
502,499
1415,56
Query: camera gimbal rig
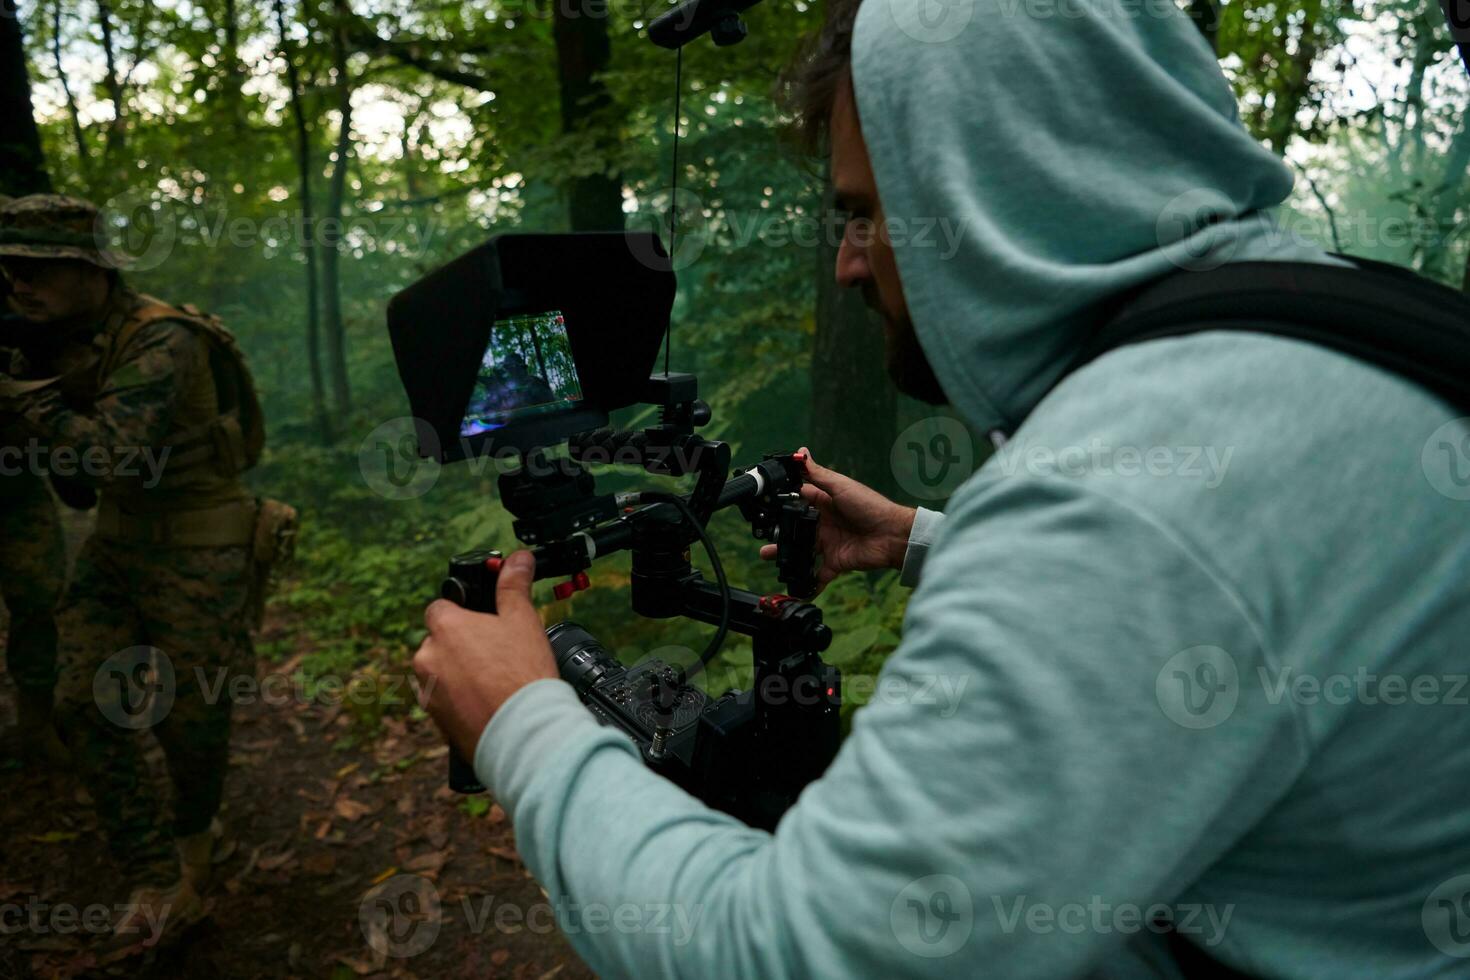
748,753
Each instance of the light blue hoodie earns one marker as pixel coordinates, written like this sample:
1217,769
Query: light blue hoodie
1191,646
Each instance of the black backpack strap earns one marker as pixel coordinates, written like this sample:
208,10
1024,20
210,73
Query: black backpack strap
1379,313
1194,961
1386,315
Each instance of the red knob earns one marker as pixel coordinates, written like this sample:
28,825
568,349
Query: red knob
577,583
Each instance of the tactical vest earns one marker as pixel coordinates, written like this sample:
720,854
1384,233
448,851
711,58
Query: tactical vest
218,434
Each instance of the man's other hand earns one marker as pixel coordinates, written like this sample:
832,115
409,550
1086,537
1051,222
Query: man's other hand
471,663
860,529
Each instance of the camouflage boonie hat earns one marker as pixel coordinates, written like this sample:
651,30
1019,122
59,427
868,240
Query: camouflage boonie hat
51,226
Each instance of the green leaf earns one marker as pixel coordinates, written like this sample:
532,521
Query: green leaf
475,806
852,644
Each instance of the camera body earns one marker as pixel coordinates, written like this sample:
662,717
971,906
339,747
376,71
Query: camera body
748,753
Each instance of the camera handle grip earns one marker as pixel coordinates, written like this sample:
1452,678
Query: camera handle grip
471,583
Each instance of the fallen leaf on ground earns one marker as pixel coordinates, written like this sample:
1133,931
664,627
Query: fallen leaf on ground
361,967
276,861
429,862
350,809
436,830
320,864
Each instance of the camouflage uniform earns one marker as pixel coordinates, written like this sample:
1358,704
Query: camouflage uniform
32,553
32,573
169,566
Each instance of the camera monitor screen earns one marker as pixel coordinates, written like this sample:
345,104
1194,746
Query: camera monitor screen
529,338
527,370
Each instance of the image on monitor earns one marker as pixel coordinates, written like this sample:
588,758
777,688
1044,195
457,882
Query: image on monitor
527,371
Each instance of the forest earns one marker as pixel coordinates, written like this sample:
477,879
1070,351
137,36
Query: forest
289,165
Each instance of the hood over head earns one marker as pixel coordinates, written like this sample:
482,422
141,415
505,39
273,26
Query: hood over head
1037,160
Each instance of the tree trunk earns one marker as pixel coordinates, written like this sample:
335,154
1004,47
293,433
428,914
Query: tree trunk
410,157
1443,202
1426,54
234,79
22,164
84,158
114,83
854,402
582,54
308,225
333,232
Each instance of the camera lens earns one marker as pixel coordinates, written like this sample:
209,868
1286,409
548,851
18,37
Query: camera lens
580,659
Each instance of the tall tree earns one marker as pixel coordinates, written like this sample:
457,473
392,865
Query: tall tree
332,229
234,68
311,246
22,164
113,80
583,51
78,132
854,404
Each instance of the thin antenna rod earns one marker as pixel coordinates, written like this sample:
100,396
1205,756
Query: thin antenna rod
674,186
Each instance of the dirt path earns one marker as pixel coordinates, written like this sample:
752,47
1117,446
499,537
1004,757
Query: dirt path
353,859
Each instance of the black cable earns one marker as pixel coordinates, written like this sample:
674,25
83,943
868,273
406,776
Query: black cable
713,648
674,185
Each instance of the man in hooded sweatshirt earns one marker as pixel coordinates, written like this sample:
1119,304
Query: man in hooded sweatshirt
1226,700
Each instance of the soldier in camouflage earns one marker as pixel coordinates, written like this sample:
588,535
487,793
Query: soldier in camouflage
142,400
32,572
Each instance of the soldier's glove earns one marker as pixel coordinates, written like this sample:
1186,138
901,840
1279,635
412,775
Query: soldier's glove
78,386
13,393
74,492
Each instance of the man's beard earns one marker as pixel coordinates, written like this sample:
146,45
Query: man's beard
908,367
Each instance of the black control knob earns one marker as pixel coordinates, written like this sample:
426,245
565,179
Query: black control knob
455,591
